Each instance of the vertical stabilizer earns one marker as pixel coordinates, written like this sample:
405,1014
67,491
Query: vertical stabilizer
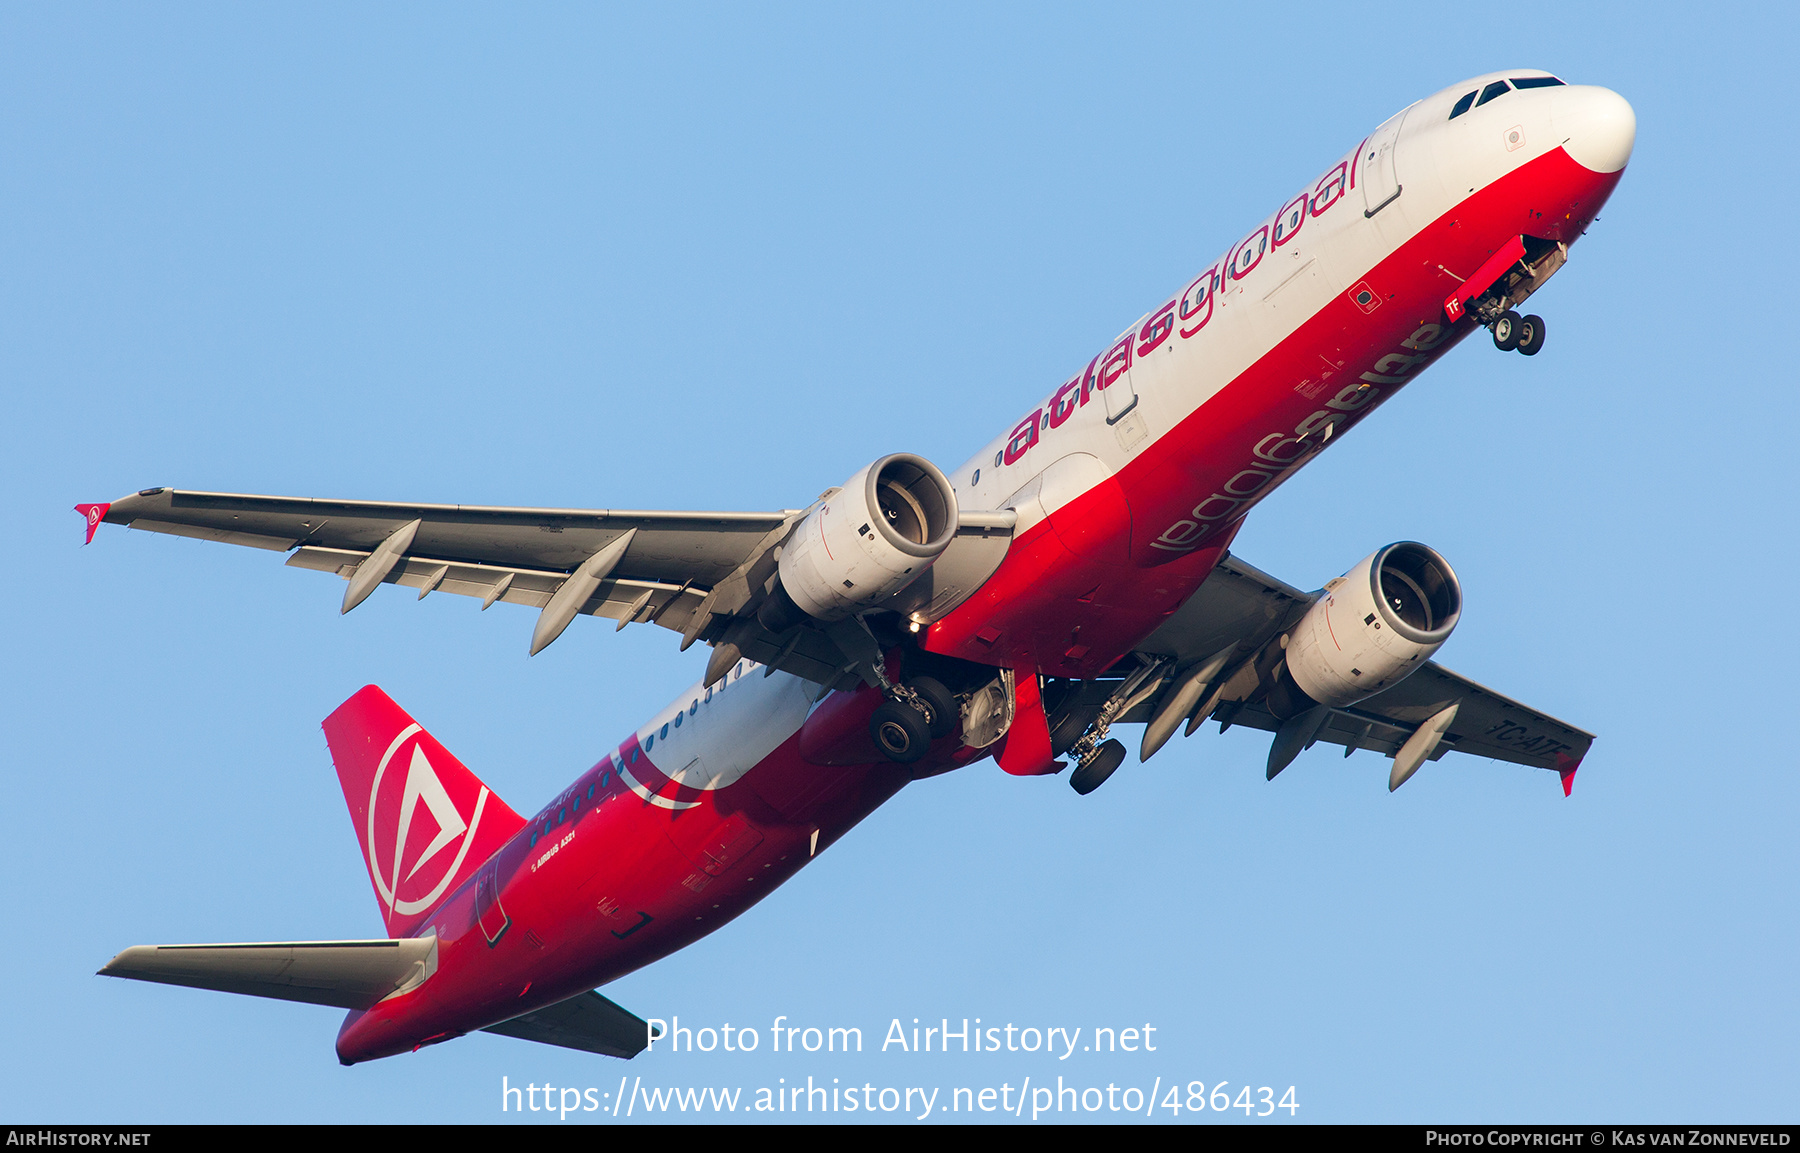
424,821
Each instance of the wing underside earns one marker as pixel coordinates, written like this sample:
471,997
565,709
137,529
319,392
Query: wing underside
1244,607
516,555
701,574
704,574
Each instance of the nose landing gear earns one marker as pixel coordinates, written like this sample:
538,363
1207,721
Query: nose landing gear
1531,335
1513,332
1506,330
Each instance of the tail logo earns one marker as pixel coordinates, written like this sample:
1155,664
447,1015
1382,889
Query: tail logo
412,880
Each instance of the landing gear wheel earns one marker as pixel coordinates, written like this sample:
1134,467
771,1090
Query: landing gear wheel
1093,774
1068,730
940,705
1506,330
900,731
1531,335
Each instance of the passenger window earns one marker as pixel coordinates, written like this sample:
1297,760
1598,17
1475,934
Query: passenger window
590,792
562,815
693,706
1463,106
650,741
1497,88
678,720
1536,82
665,733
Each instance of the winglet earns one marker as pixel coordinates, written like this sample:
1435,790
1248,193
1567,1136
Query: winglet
1566,768
95,513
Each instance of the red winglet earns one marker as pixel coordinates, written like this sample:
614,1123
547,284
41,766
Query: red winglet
95,513
1566,768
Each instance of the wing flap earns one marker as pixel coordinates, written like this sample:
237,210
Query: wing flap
586,1021
669,603
347,974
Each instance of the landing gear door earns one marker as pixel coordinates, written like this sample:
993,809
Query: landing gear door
1378,176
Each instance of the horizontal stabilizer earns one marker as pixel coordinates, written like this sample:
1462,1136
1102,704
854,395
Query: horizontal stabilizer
586,1021
348,974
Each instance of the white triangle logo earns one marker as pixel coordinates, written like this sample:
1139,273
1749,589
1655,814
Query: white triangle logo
422,784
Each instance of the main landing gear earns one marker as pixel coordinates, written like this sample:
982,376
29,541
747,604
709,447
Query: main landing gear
1512,332
1095,756
1093,772
919,712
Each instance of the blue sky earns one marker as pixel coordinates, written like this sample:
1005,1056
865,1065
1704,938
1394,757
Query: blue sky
721,258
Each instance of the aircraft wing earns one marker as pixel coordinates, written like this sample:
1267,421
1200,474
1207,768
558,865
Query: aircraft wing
1239,604
669,564
701,574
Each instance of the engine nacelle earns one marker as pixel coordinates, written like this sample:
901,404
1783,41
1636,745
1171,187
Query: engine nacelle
868,541
1372,628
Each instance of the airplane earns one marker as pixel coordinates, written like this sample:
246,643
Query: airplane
1072,576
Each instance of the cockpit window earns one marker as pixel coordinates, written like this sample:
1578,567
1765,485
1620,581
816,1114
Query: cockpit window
1497,88
1463,106
1536,82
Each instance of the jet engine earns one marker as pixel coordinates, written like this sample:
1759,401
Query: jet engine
864,543
1370,629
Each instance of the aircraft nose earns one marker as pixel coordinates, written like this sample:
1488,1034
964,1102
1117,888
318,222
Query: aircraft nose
1600,126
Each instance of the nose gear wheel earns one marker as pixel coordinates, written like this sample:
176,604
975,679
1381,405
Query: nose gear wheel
1506,330
1531,335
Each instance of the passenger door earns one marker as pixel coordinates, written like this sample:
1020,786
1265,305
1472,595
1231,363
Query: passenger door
1379,178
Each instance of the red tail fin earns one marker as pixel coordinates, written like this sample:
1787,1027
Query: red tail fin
424,821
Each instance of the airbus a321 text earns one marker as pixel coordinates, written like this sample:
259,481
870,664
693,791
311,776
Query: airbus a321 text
1072,576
